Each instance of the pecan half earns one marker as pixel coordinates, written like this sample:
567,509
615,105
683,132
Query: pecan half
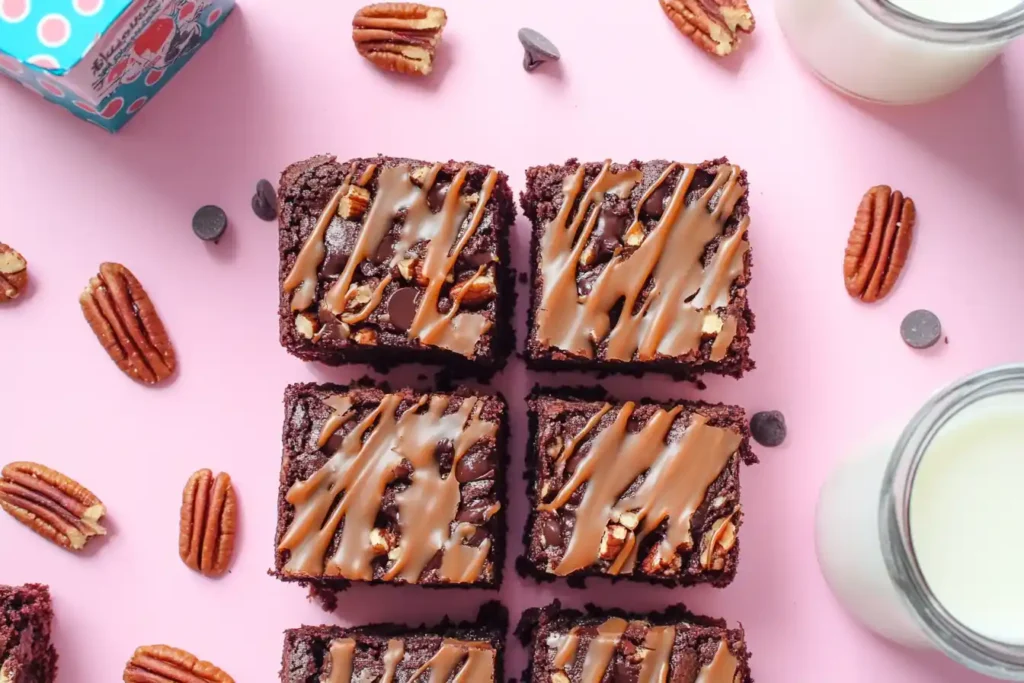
718,541
13,273
714,25
52,504
166,664
207,538
476,291
127,325
399,36
879,243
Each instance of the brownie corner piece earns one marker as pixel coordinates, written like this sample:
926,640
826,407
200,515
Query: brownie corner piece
392,486
387,260
570,646
471,651
26,616
639,267
638,491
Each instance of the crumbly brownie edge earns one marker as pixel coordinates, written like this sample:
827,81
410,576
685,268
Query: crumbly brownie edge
536,620
735,364
490,625
383,357
24,608
294,392
527,568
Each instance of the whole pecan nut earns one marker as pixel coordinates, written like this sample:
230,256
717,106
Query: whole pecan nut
476,291
166,664
399,36
52,504
879,243
207,538
13,273
127,325
714,25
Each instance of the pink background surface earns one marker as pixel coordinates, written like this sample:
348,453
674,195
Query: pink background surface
281,84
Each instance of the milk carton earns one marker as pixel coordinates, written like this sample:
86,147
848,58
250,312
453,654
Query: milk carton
103,60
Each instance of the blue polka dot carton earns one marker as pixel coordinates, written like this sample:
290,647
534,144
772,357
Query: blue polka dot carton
103,60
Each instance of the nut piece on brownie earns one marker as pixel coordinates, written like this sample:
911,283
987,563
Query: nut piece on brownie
639,491
661,281
386,486
387,261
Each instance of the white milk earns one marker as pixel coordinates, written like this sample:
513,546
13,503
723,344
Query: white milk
966,521
967,517
858,54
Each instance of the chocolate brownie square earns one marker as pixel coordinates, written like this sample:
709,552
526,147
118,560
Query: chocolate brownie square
26,654
387,261
639,267
471,652
569,646
385,486
642,491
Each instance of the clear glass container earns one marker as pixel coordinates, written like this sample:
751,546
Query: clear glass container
873,50
864,541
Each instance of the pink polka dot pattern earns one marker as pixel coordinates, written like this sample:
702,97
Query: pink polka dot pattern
113,108
44,61
13,11
137,105
51,87
153,76
85,106
53,30
11,65
214,16
87,8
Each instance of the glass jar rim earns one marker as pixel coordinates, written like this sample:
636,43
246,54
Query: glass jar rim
1001,27
959,642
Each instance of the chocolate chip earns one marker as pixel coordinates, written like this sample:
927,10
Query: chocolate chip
551,531
768,428
209,223
610,226
473,467
444,453
657,201
335,263
403,470
435,198
477,538
475,511
921,329
264,201
385,250
538,49
402,307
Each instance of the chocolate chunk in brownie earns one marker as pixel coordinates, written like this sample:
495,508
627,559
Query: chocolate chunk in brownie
389,486
569,646
639,267
26,616
635,490
471,652
387,260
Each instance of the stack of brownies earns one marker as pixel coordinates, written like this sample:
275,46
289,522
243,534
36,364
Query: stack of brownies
639,267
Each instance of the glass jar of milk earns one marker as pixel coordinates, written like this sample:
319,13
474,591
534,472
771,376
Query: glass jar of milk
899,51
922,537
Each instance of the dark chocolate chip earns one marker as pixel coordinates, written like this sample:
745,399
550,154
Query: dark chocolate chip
657,201
403,470
610,226
209,223
402,307
263,210
385,250
435,198
475,511
538,49
768,428
551,531
477,538
335,263
921,329
264,201
586,283
444,453
473,467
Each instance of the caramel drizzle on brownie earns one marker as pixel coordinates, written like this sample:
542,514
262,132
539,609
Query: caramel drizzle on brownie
658,644
679,310
351,484
678,474
479,666
395,193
